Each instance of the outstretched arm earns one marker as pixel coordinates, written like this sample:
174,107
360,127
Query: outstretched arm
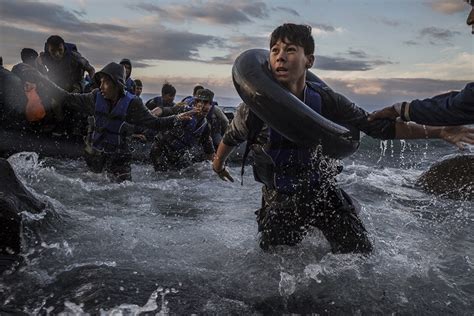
452,108
218,164
457,135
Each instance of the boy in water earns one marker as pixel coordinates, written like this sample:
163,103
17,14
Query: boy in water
299,190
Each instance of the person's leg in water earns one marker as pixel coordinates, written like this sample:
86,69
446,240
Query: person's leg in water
280,221
159,156
119,167
95,161
336,216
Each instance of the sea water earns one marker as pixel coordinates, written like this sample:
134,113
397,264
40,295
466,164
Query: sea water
186,242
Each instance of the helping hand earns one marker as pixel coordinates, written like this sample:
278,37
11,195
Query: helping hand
390,112
186,116
458,135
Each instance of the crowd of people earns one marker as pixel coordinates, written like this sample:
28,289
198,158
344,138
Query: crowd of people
298,192
52,95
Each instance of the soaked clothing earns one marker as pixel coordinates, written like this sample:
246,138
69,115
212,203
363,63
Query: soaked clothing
285,218
67,73
452,108
183,145
117,166
219,122
118,162
12,100
216,118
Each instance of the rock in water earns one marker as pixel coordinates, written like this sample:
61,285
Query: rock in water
452,177
14,199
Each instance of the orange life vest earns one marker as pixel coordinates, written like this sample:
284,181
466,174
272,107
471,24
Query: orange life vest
35,110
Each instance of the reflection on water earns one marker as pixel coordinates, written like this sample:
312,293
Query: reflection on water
185,242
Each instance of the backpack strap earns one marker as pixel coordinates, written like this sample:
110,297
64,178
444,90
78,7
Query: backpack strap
254,125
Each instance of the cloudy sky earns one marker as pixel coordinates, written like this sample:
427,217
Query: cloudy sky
373,51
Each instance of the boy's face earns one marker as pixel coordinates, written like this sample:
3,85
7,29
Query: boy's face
288,62
107,88
128,70
167,98
202,107
138,90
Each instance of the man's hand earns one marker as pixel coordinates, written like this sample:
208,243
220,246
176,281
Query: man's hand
157,111
219,168
458,135
390,112
186,116
224,174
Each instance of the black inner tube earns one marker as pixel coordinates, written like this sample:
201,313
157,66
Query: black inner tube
284,112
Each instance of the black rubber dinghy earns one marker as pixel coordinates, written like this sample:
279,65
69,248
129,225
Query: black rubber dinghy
284,112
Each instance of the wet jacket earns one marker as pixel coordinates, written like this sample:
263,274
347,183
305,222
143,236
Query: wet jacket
291,163
194,133
216,118
452,108
110,127
68,72
12,99
341,111
136,114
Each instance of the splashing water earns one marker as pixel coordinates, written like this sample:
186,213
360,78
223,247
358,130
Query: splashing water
191,241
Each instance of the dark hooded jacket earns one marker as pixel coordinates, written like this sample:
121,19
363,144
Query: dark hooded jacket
12,98
68,72
129,82
137,113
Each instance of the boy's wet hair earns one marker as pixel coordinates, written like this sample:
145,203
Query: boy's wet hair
168,89
298,34
55,40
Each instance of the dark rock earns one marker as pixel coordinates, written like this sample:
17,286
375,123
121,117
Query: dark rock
452,177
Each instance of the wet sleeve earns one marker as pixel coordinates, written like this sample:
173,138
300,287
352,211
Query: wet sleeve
453,108
222,119
348,114
150,104
81,102
173,110
139,115
237,131
206,141
82,61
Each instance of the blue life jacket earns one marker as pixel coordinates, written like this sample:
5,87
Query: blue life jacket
130,85
293,165
191,132
189,100
108,130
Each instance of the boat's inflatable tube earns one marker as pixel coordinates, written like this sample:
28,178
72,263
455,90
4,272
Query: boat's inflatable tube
284,112
14,141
